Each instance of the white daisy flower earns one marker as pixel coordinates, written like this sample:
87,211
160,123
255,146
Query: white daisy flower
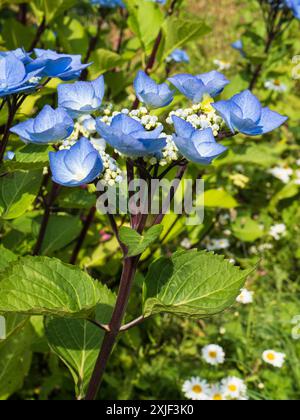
222,65
274,358
245,297
283,174
233,388
216,393
213,354
275,86
196,389
278,231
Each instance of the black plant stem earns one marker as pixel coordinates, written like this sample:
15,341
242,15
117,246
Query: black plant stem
12,109
129,270
87,223
180,174
46,216
41,29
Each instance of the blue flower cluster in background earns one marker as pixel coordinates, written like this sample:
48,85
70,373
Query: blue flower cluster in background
178,56
294,5
110,4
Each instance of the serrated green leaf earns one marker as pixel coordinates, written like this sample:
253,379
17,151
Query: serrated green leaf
46,286
17,192
247,229
77,342
192,284
6,257
136,243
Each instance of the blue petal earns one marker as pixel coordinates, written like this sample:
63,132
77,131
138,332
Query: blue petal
271,120
249,104
214,82
123,124
189,86
183,128
224,109
24,129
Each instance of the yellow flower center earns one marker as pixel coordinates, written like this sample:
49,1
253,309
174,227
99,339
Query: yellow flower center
197,389
277,82
271,357
232,388
213,354
217,397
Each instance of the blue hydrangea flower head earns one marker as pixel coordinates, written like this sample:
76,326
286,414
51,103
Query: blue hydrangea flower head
49,126
130,138
195,87
63,66
244,113
179,56
15,77
81,98
79,165
110,4
151,93
294,5
198,146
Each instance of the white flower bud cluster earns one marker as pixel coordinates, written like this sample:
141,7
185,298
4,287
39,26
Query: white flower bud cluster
200,117
112,174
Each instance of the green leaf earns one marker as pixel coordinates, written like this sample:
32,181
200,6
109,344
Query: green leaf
290,190
77,342
54,8
136,243
15,360
28,157
145,20
61,231
178,32
218,198
192,284
247,229
17,192
6,257
41,285
104,60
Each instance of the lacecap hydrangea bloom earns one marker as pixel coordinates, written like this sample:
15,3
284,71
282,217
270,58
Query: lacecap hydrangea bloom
49,126
245,114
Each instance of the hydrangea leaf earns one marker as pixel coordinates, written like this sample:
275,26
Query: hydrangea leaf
7,257
136,243
17,192
15,360
77,341
46,286
192,284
